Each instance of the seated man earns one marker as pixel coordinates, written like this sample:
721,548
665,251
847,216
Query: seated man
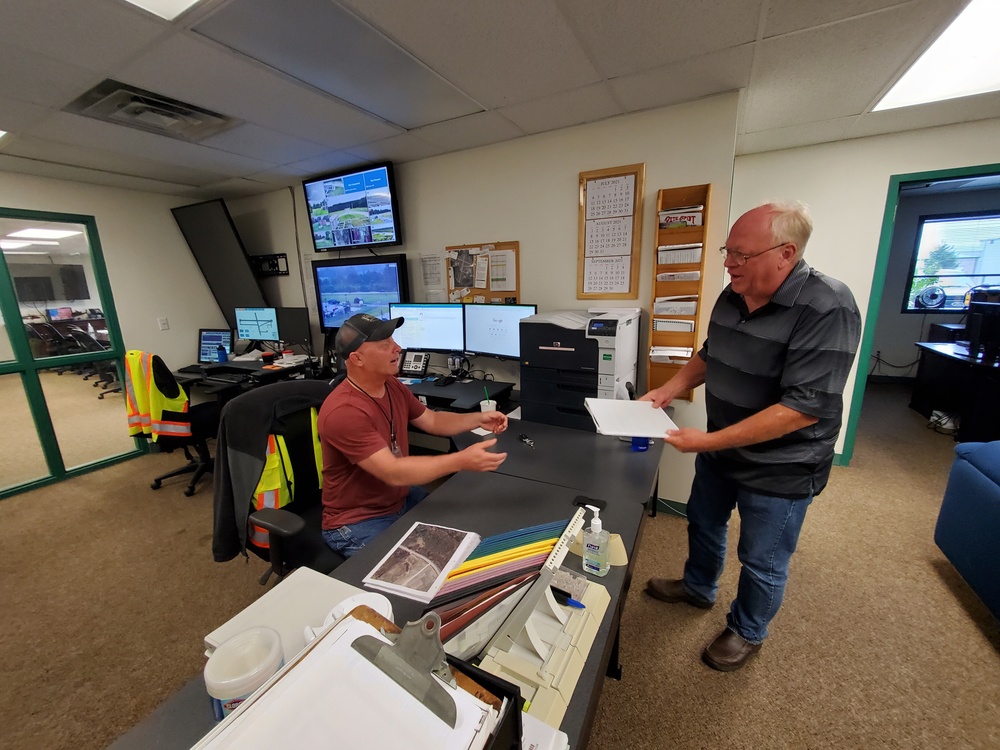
369,476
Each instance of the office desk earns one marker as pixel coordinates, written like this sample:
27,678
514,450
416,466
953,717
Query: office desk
226,391
461,396
492,503
598,466
949,380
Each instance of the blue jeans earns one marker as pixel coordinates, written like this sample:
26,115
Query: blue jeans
349,539
769,532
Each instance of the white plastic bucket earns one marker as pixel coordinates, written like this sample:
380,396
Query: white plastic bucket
239,666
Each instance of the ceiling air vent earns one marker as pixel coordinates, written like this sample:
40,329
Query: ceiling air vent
122,104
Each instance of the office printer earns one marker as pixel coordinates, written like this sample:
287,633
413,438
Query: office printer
570,355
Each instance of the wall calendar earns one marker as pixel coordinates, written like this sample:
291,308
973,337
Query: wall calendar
610,232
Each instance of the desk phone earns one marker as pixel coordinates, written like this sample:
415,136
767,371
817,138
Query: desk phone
413,364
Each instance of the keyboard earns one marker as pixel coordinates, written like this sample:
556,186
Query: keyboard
231,378
191,370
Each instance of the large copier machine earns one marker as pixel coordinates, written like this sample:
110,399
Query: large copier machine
570,355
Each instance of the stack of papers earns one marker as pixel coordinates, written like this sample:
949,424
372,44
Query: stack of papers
671,354
419,564
628,418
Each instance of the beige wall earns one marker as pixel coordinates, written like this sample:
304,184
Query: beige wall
152,271
845,184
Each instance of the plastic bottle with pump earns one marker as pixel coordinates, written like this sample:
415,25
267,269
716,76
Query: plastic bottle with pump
596,546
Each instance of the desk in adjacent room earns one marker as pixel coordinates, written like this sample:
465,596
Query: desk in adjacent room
949,380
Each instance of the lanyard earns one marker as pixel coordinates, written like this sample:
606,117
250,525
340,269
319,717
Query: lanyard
388,417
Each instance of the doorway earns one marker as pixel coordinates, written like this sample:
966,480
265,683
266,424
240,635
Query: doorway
60,352
889,283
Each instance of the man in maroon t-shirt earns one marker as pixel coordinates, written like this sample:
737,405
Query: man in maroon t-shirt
369,477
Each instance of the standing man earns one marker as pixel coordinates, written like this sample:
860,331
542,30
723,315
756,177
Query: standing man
369,477
781,342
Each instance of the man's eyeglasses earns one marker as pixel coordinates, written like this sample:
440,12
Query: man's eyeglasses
741,259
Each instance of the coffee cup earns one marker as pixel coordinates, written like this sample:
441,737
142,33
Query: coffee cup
488,405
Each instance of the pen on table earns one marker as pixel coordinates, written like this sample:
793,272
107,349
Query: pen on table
526,440
564,598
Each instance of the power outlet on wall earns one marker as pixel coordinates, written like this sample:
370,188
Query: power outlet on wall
163,323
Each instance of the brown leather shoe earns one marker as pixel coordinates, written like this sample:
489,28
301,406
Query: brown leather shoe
729,652
673,591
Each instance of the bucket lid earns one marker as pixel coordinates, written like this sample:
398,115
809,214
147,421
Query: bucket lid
243,663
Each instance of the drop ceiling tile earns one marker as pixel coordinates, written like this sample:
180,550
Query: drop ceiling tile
84,131
108,161
399,148
469,132
784,16
563,110
316,166
496,53
247,90
38,79
355,63
793,136
836,71
18,116
231,189
624,38
33,167
93,34
685,80
252,140
965,109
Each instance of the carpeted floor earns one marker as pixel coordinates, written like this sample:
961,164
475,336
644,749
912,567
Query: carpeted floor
108,589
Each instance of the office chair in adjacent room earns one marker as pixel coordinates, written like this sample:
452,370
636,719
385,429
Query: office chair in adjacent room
268,479
159,410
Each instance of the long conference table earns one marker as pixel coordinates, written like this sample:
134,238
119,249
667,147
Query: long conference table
536,484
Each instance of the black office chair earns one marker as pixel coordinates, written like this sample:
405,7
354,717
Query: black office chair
290,536
204,420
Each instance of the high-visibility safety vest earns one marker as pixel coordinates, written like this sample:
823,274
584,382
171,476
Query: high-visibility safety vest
276,487
156,405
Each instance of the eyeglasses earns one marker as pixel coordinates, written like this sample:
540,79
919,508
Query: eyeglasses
741,258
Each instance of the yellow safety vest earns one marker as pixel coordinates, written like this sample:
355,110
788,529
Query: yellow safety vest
276,487
150,411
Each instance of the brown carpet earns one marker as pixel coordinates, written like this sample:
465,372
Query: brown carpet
108,589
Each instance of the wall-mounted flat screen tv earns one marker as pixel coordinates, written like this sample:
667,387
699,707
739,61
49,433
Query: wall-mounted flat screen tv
354,208
368,284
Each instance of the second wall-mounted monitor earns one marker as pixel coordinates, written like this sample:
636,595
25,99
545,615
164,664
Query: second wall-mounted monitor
257,324
354,208
429,327
368,284
495,329
293,325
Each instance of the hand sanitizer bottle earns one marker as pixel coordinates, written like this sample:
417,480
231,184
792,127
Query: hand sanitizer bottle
595,546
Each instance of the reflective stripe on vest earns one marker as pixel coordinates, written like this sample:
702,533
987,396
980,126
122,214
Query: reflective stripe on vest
274,488
149,411
137,393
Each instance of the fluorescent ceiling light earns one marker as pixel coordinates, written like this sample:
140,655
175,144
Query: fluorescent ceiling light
43,234
3,133
168,9
24,252
965,60
12,245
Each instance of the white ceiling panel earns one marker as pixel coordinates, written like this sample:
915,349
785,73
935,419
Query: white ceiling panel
966,109
399,148
624,38
94,34
250,140
497,53
784,16
17,116
793,136
241,88
814,75
685,80
35,78
589,104
88,158
338,53
56,171
469,132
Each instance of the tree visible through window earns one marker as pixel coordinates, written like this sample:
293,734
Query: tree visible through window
954,255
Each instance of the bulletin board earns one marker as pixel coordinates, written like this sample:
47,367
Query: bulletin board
484,273
610,232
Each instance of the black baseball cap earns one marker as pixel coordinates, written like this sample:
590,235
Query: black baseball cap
363,327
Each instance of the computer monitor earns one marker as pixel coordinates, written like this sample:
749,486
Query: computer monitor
429,327
293,325
367,284
495,330
209,341
257,324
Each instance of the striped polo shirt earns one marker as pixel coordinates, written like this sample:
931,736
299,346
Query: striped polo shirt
796,350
